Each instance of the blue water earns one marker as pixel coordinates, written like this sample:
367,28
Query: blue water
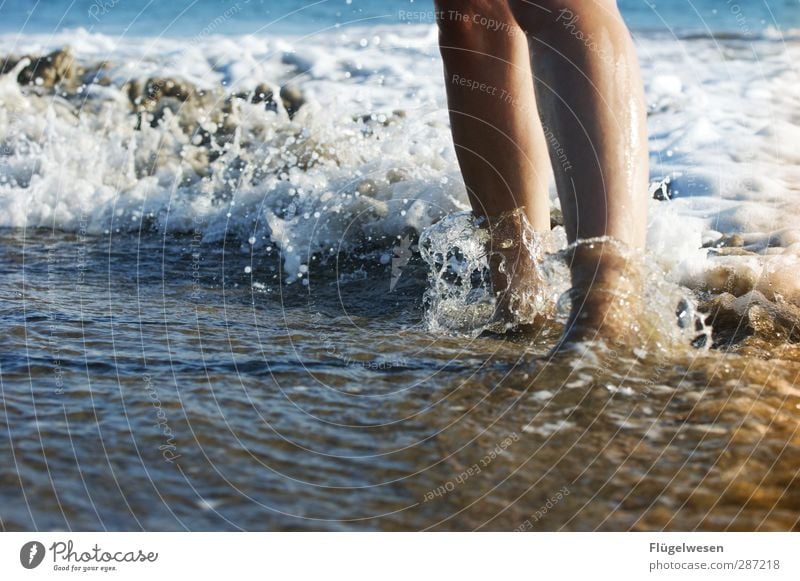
191,17
157,379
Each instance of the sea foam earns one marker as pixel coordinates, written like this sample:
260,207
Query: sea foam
368,158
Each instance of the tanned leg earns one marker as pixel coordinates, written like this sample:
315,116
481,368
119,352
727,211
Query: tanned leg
497,133
591,100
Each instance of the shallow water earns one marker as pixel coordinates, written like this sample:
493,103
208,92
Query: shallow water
335,409
216,315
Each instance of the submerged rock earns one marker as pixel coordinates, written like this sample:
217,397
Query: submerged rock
146,95
152,98
96,74
383,119
156,88
396,174
367,187
8,63
734,318
56,68
292,98
263,93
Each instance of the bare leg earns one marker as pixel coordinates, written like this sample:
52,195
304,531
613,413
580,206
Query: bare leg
590,94
498,137
591,98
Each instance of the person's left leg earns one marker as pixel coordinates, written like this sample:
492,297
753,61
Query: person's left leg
499,140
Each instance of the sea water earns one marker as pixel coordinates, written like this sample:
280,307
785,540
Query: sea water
221,313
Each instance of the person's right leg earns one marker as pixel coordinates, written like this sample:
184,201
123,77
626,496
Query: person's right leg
591,100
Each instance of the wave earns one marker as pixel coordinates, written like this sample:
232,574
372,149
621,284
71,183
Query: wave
339,143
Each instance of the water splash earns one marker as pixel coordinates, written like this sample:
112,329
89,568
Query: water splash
462,256
461,300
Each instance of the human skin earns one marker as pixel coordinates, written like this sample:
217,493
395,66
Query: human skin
588,89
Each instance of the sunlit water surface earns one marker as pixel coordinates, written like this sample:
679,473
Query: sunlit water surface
147,384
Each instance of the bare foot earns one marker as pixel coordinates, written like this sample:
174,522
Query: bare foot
514,252
605,294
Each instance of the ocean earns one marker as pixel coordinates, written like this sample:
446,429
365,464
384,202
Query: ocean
183,18
257,301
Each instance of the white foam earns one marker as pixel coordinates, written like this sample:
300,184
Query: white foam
723,126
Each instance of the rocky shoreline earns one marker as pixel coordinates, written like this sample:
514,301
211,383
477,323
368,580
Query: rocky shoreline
59,72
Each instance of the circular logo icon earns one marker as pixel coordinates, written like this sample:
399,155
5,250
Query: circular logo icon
31,554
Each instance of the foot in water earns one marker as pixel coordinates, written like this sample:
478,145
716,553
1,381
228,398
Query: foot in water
515,252
585,107
605,295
